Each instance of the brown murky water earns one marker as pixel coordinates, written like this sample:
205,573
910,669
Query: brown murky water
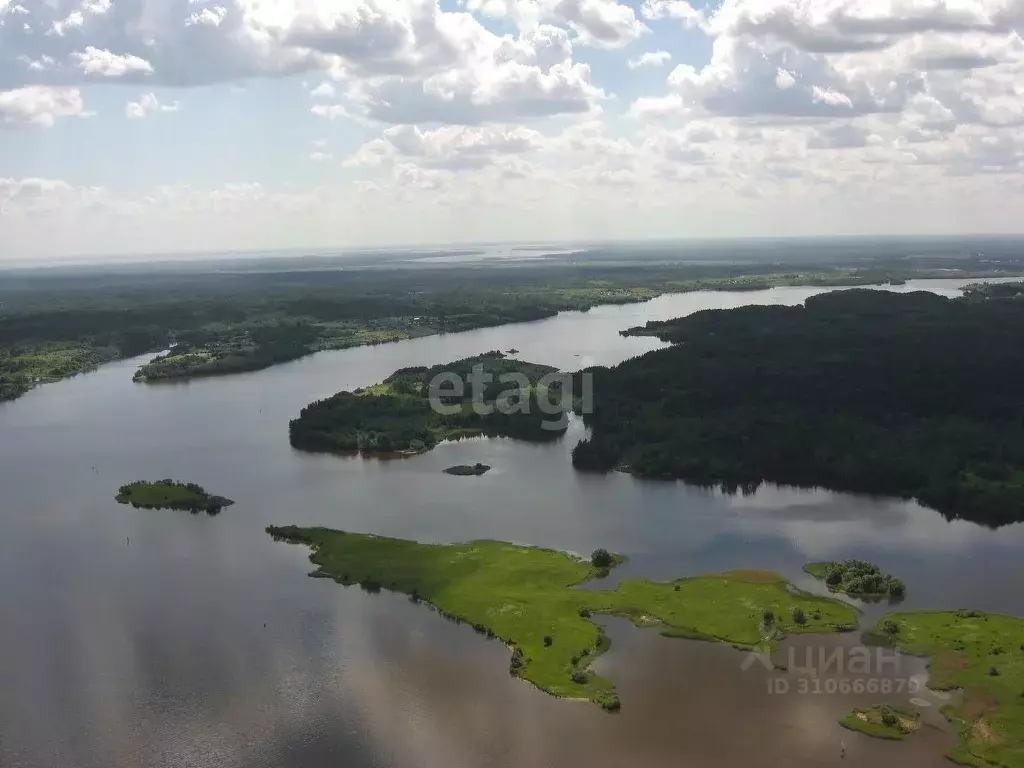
203,644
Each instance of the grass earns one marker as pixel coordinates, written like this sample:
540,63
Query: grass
882,721
521,595
983,654
168,494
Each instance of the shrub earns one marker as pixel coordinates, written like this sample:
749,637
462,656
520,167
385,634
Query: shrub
993,672
768,615
890,627
580,678
601,558
798,615
547,641
584,613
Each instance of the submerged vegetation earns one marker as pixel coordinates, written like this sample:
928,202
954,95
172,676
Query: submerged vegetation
982,654
397,415
908,395
857,578
524,597
883,721
168,494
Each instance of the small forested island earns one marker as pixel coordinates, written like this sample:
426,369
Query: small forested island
883,721
168,494
397,416
524,597
981,654
467,469
857,578
908,395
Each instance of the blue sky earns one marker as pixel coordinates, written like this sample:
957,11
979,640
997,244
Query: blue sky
132,126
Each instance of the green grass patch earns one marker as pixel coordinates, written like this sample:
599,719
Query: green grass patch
524,596
983,654
882,721
168,494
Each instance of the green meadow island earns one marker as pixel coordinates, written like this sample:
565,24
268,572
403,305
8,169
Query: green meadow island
169,494
525,597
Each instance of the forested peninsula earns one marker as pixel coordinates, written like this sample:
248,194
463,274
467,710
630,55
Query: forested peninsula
397,416
524,596
907,395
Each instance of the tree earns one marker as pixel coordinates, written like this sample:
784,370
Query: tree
798,615
547,641
601,558
768,615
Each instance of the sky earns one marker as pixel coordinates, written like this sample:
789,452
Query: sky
157,126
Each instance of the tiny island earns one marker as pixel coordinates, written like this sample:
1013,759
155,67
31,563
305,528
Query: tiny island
467,469
857,578
525,597
169,494
883,721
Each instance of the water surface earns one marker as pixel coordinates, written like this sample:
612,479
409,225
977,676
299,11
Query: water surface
203,644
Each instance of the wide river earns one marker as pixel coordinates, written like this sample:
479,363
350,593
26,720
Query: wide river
202,643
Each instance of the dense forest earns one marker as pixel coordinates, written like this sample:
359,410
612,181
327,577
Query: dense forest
398,415
910,395
56,325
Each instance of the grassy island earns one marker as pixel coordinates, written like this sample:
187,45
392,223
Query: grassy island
398,416
168,494
907,395
524,597
857,578
467,469
882,721
982,654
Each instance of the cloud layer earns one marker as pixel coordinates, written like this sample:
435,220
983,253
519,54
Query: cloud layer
561,111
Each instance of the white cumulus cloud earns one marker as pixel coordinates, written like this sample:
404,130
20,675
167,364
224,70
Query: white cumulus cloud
95,61
39,106
650,59
148,104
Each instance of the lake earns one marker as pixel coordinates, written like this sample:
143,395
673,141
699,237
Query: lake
202,643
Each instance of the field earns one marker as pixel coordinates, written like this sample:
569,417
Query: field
524,596
983,654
